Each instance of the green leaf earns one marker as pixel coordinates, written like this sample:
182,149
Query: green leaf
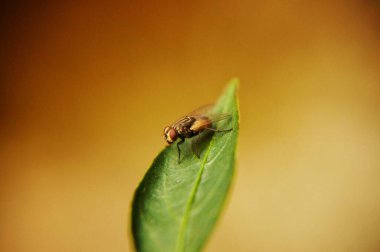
176,205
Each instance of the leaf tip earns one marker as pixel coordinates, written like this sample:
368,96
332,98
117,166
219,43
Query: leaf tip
233,84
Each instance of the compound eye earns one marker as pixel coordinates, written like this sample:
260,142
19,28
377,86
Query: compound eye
172,134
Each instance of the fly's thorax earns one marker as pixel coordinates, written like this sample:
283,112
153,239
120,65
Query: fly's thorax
185,132
186,121
183,125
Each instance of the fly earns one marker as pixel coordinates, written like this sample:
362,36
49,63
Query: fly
192,125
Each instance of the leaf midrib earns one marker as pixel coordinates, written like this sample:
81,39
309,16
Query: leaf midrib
181,236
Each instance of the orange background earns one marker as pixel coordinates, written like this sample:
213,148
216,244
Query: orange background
87,87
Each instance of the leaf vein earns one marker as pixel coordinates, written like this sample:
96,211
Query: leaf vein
181,236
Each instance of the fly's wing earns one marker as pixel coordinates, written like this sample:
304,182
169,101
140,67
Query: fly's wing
201,112
220,117
204,110
205,117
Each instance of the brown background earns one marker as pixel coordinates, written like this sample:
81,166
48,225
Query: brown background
87,87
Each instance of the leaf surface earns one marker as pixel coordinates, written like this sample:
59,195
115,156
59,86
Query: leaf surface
176,205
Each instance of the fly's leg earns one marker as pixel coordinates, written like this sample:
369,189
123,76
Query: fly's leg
218,130
179,150
194,146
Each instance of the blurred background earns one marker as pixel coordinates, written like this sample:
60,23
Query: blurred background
87,88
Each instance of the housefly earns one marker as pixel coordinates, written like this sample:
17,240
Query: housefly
192,125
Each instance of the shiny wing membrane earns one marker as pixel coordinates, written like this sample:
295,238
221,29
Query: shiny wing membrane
206,111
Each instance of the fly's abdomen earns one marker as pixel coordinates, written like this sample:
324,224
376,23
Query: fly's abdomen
201,124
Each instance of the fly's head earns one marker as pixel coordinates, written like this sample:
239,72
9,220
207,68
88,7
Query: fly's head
170,134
